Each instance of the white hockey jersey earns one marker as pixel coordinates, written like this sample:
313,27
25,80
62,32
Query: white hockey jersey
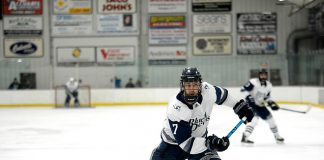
260,93
72,86
186,125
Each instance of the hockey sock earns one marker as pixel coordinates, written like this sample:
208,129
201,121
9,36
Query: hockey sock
248,131
273,126
250,127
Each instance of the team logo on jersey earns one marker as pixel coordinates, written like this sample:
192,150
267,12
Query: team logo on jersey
177,107
197,122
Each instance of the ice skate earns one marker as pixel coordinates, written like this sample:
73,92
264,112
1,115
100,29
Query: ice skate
77,104
245,140
279,139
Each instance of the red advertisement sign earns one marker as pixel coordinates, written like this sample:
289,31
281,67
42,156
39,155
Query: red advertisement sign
31,7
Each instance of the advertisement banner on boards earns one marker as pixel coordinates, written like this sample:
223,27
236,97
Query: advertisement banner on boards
257,23
257,44
117,23
211,5
71,24
167,6
212,45
23,25
22,7
75,54
167,30
170,55
116,54
212,23
120,6
1,10
23,47
72,6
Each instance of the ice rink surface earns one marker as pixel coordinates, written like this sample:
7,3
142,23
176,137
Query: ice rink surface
132,132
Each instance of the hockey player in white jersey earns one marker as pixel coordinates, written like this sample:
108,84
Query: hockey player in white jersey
258,91
185,134
71,90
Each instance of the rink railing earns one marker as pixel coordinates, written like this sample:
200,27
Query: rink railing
313,96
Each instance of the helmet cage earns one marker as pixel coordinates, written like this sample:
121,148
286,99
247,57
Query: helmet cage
263,72
190,75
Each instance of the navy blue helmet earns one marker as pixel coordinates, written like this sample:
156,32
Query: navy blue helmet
190,74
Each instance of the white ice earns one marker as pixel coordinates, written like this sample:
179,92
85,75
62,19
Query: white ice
132,132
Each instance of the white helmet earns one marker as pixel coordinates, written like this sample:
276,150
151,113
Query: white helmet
72,79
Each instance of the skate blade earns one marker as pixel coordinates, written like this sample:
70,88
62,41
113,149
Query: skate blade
244,144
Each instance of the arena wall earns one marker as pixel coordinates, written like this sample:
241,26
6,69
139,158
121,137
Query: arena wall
149,96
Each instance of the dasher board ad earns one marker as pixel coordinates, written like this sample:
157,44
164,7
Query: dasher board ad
72,6
212,23
211,5
167,55
23,25
212,45
117,23
257,44
75,54
116,6
248,23
168,30
167,6
23,47
116,54
22,7
71,25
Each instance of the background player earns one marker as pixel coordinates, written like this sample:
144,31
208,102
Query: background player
184,135
71,90
258,96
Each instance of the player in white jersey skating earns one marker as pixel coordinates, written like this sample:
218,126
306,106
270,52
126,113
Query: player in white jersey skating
184,135
71,90
258,96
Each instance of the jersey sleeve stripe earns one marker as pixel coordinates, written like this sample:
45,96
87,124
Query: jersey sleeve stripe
248,86
221,95
187,145
167,137
194,145
224,97
218,94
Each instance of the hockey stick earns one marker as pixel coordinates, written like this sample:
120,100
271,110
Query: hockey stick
291,110
236,127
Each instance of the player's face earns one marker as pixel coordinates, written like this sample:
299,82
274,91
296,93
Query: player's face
191,88
263,76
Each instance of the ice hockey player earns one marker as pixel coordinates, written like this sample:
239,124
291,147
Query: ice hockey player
257,91
184,135
71,90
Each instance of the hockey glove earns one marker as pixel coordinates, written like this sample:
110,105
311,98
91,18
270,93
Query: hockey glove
242,109
273,105
218,144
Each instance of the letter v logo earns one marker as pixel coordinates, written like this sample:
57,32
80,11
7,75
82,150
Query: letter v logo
104,53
